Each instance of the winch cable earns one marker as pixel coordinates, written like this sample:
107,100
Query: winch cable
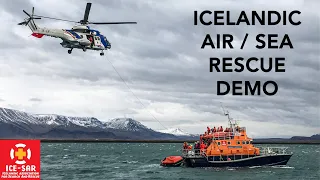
135,94
138,97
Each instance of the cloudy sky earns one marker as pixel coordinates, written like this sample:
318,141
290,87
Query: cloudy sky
161,60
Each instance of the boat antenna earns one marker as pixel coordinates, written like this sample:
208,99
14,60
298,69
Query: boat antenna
226,113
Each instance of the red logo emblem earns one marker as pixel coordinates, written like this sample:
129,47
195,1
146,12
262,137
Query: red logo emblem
224,143
20,159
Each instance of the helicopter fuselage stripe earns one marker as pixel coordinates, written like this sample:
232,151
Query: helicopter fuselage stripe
70,34
74,34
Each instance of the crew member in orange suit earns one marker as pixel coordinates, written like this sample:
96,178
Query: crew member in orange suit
202,147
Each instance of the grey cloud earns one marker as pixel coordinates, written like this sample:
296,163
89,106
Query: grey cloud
35,100
11,7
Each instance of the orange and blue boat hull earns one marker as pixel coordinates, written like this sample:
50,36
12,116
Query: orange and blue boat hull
217,161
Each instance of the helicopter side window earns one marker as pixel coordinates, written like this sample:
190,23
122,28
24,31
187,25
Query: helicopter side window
81,30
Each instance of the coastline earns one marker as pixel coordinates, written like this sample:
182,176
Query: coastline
257,141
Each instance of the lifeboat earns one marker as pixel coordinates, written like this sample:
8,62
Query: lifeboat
229,148
172,161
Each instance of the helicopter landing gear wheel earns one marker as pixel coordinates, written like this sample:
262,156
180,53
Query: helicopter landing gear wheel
102,53
70,51
84,49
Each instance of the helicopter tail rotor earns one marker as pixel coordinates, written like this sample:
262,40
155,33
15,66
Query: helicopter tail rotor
30,17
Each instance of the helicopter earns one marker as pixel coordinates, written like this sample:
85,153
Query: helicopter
79,36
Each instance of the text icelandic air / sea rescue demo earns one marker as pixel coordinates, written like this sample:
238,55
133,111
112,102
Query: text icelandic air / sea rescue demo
269,41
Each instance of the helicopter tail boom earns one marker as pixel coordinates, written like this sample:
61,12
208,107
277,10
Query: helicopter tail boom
32,25
34,28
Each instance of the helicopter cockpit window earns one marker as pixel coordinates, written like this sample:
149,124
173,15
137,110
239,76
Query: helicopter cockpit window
81,30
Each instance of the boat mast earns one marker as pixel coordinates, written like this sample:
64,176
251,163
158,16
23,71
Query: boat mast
231,125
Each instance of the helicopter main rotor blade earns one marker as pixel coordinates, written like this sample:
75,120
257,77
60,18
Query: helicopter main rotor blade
86,13
26,13
37,16
22,23
112,23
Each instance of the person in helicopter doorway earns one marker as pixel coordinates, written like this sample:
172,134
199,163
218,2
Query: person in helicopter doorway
90,38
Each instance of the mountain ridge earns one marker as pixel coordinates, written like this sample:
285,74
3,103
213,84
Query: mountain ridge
15,123
19,124
177,132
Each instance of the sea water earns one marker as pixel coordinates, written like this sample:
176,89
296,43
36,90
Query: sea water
142,161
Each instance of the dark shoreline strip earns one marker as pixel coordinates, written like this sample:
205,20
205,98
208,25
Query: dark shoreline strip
163,141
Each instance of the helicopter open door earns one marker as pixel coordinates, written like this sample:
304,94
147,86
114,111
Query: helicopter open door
90,38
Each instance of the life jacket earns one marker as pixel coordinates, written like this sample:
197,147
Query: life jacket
202,146
185,145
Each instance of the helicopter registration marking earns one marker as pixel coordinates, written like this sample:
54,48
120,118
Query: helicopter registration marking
45,30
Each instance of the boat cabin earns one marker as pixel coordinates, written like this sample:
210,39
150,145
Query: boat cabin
228,142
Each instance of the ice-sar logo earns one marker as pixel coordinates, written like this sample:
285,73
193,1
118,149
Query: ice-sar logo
20,154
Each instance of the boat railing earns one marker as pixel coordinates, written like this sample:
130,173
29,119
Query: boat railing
186,153
273,150
225,135
193,153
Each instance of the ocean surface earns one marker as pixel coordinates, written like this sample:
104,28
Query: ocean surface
141,161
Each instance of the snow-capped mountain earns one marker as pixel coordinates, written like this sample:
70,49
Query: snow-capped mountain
127,124
58,120
175,131
14,123
14,116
